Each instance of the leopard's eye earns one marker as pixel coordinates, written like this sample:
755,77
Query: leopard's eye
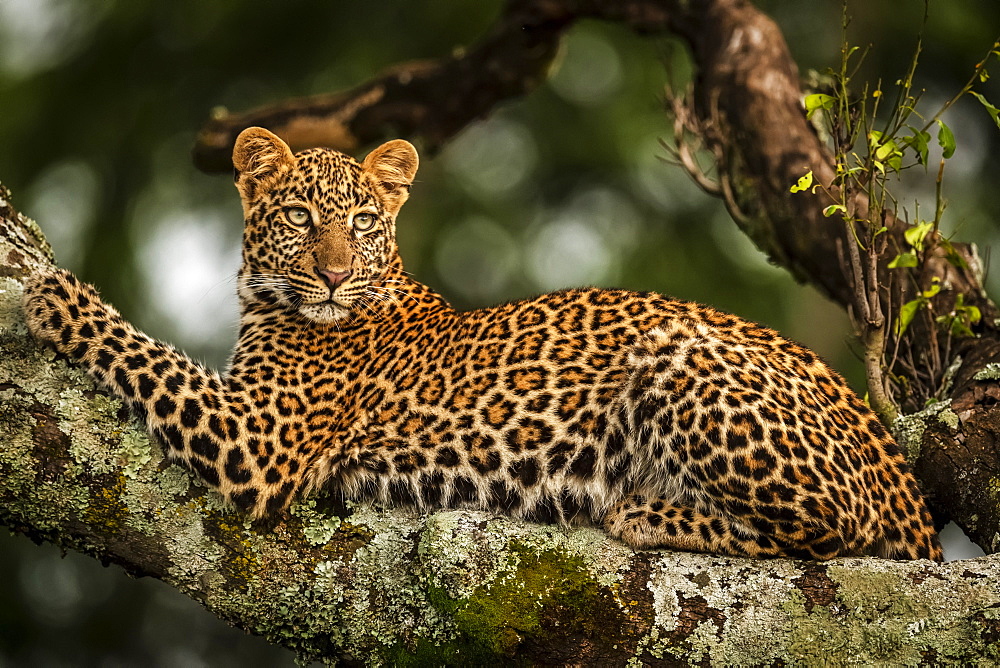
298,216
363,221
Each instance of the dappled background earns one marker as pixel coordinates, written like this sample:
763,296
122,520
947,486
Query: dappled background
99,105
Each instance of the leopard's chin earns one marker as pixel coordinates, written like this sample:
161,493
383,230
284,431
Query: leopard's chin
325,313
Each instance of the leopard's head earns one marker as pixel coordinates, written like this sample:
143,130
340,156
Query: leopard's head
320,227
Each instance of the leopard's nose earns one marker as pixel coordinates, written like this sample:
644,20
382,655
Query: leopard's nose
333,278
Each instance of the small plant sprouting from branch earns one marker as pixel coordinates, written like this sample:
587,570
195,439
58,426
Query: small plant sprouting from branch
874,142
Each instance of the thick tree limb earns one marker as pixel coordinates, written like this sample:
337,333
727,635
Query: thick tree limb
432,100
462,587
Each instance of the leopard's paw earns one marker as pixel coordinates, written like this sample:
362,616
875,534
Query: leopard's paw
54,304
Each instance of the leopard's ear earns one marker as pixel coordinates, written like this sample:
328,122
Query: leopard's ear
393,166
258,156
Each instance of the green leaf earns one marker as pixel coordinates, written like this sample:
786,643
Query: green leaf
946,139
919,142
952,255
933,290
818,101
960,330
993,111
803,183
834,208
904,260
907,313
886,150
916,235
970,312
956,327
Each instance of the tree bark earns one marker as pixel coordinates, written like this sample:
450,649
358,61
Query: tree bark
472,587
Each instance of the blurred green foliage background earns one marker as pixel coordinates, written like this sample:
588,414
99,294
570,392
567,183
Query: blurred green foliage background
100,101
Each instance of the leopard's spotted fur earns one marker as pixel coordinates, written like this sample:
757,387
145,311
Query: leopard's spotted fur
670,423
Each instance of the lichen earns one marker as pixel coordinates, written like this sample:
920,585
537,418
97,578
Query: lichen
11,323
318,528
151,490
909,429
898,614
948,377
135,453
989,372
949,418
107,508
993,487
22,236
193,554
680,576
92,424
434,588
40,499
883,611
15,455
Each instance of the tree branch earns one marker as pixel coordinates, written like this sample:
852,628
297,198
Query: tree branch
454,586
433,100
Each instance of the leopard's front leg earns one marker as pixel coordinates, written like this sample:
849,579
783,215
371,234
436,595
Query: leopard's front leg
204,419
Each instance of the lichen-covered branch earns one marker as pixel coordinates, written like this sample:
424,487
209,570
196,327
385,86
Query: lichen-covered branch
374,585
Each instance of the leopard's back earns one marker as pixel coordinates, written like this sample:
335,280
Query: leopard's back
562,407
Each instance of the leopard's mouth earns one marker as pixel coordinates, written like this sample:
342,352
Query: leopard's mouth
325,312
327,308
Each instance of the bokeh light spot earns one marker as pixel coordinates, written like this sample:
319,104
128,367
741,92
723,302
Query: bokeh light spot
477,258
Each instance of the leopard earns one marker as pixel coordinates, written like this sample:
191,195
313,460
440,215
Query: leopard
666,423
